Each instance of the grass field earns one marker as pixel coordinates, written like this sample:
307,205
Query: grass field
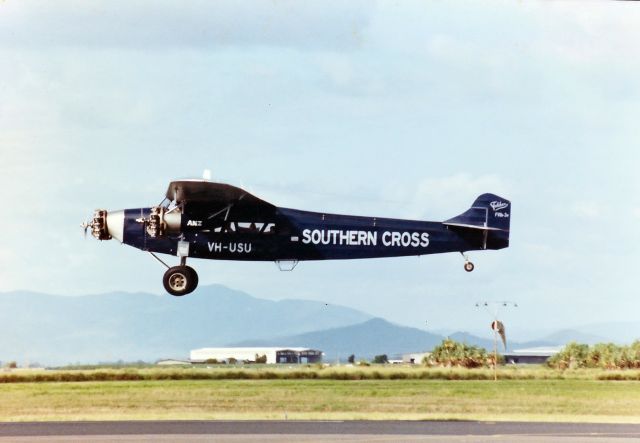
523,394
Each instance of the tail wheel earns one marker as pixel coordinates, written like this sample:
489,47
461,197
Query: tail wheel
468,266
180,280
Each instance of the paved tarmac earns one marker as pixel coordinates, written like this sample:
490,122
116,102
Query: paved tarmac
317,431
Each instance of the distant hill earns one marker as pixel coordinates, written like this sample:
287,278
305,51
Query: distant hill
569,335
465,337
487,343
364,340
618,332
378,336
53,329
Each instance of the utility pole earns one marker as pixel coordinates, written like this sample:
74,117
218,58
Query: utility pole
493,307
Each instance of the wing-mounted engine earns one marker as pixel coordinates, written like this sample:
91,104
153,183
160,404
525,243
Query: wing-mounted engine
162,221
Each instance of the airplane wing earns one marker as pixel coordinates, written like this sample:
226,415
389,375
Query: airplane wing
210,194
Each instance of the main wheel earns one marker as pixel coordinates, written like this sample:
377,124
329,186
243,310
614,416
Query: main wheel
194,279
468,266
180,280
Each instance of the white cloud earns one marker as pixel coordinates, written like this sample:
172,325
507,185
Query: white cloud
587,209
444,197
195,23
338,67
598,31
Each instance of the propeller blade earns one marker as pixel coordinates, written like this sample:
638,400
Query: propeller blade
85,226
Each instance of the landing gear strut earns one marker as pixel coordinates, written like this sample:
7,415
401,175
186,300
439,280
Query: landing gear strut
468,266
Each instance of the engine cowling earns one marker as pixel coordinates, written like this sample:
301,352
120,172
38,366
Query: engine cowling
99,225
106,225
162,221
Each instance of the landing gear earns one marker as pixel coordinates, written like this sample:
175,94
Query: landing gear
180,280
468,266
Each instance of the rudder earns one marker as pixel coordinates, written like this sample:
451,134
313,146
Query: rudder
489,213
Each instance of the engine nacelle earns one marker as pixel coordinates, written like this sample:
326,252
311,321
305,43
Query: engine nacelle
162,221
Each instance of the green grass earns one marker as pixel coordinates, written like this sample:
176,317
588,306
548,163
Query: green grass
343,393
274,372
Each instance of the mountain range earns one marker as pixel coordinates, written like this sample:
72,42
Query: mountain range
364,340
54,329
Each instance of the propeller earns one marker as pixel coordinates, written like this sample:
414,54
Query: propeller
98,225
86,225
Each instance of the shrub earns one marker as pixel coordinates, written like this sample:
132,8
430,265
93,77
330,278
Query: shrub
382,358
451,353
602,355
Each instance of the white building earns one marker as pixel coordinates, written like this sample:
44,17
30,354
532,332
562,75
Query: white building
273,354
532,355
172,362
415,357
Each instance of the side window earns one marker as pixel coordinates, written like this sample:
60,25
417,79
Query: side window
249,227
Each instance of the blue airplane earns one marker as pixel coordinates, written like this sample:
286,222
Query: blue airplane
203,219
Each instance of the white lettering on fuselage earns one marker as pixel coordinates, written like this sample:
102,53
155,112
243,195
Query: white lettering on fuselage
405,239
498,205
235,248
365,238
194,222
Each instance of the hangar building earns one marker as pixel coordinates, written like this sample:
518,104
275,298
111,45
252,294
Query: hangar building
274,355
532,355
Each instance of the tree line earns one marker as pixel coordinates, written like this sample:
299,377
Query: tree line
602,355
451,353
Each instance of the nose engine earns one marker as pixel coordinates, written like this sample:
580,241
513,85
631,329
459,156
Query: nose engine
106,225
152,223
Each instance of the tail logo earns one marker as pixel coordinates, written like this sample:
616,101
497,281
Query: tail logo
498,205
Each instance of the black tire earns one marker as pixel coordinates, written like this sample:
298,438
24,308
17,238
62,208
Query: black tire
194,279
179,280
468,266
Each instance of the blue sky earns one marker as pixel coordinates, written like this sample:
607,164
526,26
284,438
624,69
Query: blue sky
398,109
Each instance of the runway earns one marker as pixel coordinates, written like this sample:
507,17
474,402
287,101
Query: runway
316,431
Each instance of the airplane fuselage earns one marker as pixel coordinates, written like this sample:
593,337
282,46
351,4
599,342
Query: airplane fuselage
202,219
303,235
